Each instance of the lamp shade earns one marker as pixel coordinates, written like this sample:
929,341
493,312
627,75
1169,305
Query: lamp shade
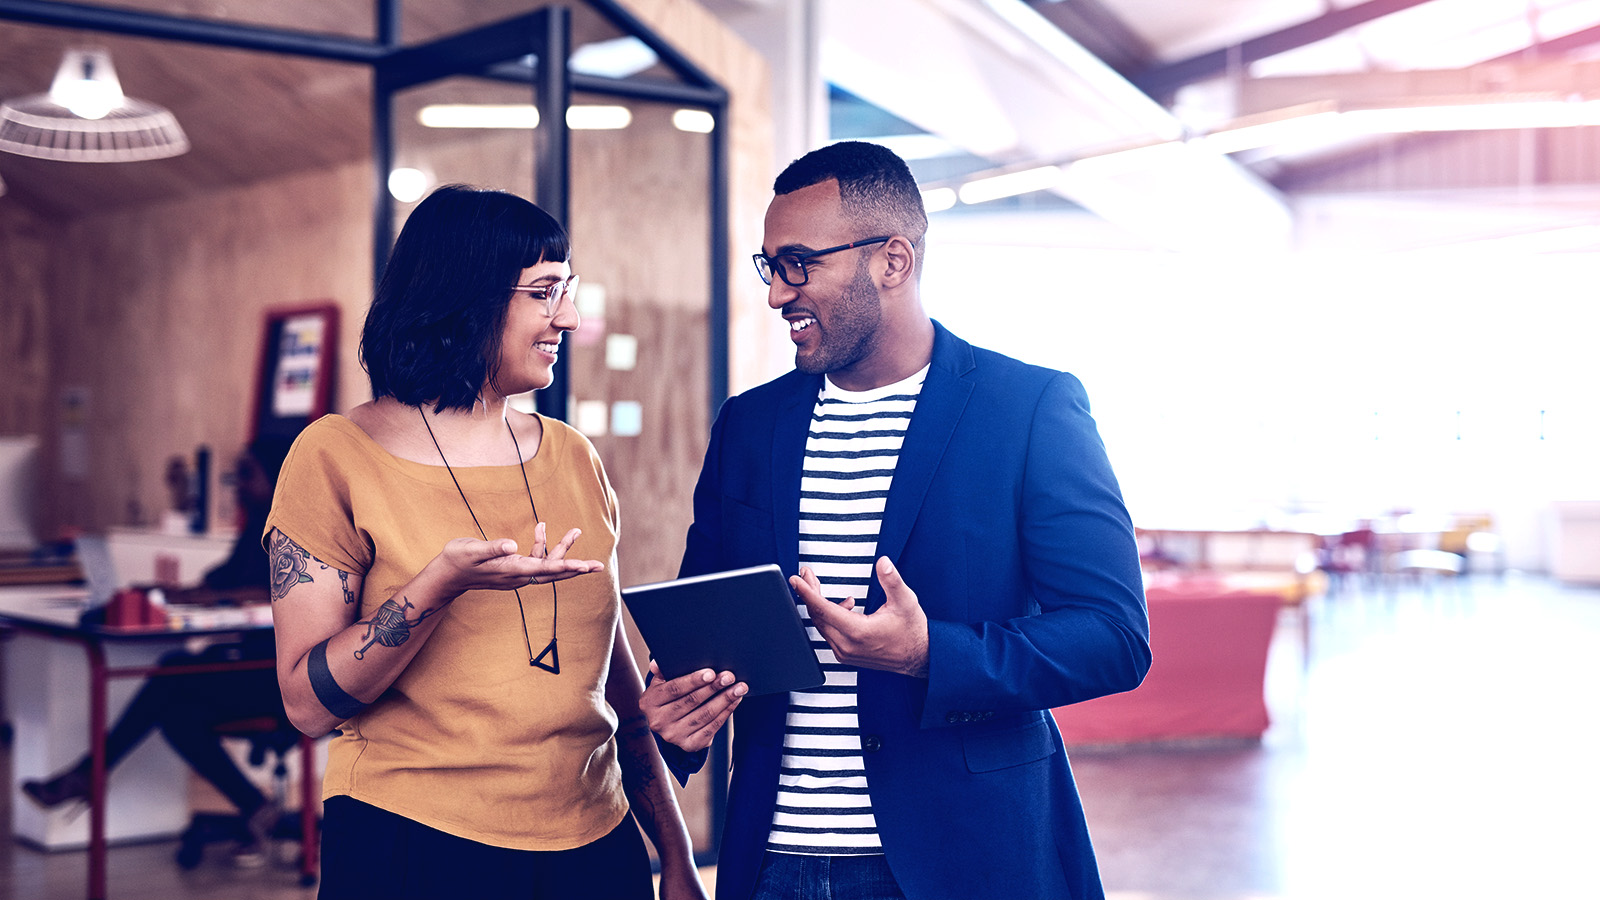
86,118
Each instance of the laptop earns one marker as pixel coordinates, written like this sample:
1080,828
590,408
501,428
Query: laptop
99,572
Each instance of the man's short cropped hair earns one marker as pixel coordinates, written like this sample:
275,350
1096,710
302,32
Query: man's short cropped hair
876,188
433,332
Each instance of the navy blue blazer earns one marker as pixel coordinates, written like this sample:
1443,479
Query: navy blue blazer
1004,517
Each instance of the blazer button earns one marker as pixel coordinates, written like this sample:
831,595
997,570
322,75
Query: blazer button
872,743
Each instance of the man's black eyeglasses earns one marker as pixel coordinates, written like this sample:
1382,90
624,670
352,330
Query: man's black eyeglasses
791,267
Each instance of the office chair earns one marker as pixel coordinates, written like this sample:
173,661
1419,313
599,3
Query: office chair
267,735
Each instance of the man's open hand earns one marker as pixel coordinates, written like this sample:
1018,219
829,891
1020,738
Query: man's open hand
894,638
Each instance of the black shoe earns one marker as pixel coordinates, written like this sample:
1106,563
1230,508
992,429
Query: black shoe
70,785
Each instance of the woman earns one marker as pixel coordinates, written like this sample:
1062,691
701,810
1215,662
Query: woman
474,664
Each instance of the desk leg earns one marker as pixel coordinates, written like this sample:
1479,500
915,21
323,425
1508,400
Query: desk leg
97,769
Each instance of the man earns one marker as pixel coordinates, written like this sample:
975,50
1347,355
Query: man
965,561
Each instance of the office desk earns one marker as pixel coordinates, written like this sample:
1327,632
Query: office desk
52,612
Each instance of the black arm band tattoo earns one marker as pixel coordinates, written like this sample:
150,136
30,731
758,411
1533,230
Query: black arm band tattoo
328,691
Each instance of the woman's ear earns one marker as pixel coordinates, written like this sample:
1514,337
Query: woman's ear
900,260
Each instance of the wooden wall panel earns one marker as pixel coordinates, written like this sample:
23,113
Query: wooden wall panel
759,344
24,317
25,402
157,315
641,234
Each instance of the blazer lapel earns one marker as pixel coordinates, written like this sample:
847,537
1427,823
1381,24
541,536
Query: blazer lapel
792,424
939,407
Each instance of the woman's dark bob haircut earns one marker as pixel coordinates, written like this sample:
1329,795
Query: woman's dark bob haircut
433,332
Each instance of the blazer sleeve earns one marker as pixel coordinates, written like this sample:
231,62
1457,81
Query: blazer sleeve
1090,635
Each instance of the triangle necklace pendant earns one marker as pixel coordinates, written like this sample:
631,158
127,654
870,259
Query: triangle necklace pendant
554,665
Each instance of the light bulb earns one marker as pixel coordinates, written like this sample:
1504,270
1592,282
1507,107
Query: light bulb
408,185
86,84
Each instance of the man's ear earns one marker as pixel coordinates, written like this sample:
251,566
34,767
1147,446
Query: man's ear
900,261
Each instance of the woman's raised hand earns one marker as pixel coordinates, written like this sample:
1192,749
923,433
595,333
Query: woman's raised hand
472,565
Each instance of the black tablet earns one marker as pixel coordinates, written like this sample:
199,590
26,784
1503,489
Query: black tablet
744,621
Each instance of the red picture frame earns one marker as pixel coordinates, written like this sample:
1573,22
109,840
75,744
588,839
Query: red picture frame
296,372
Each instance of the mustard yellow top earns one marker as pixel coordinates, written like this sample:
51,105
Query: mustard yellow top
470,739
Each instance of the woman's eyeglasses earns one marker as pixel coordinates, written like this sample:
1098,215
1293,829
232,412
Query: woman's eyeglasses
551,294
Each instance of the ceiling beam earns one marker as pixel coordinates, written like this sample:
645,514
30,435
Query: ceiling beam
1162,81
1577,40
194,31
1100,32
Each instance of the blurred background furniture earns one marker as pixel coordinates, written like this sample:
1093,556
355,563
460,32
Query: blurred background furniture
275,738
1348,555
1576,553
1209,636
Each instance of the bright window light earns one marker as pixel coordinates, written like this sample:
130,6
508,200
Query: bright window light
1322,125
938,199
1010,185
479,115
697,121
914,146
598,118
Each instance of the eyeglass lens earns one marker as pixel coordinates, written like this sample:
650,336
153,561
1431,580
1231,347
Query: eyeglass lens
790,269
551,294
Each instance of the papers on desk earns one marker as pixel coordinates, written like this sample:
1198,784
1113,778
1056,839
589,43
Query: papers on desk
183,617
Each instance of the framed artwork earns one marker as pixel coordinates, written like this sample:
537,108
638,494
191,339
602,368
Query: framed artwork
294,383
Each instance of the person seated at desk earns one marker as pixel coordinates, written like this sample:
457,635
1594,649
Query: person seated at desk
187,709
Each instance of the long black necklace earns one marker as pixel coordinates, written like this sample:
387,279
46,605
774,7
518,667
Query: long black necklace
554,665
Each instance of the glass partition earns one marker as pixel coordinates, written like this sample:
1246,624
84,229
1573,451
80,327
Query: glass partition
639,190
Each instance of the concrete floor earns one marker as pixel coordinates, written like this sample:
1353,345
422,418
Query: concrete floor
1429,742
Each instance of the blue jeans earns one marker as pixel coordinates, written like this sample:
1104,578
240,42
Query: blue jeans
790,876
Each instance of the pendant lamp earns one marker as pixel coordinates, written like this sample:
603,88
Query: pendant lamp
86,118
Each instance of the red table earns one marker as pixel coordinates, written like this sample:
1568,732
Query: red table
62,623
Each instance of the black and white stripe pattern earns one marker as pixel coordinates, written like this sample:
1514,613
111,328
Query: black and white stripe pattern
823,805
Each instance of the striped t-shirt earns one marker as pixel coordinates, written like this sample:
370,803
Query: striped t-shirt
823,805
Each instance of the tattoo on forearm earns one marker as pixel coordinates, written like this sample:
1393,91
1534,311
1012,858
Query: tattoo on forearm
333,697
636,755
389,625
289,563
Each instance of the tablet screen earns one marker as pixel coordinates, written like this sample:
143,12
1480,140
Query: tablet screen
743,621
